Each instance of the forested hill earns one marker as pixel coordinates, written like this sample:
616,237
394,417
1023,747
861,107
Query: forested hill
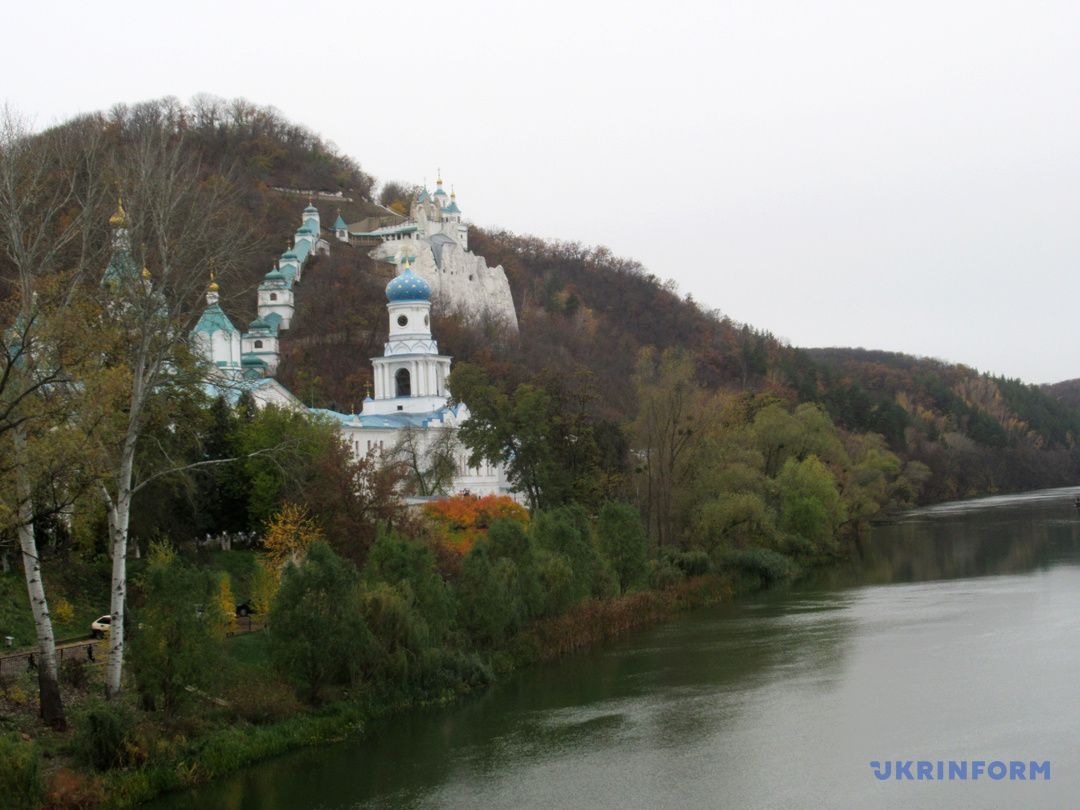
1066,392
589,321
585,310
584,306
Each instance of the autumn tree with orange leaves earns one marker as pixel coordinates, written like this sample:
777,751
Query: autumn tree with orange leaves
460,521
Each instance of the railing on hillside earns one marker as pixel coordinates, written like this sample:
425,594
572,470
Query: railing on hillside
247,624
95,651
26,660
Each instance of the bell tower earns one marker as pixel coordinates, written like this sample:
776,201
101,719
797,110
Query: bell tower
411,375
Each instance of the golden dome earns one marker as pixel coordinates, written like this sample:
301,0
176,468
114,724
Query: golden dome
119,219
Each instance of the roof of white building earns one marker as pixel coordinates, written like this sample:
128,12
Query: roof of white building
266,389
213,320
390,421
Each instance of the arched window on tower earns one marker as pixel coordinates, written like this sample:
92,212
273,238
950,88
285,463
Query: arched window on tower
402,381
273,296
258,344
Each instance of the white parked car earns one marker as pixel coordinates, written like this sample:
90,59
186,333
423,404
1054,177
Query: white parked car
101,626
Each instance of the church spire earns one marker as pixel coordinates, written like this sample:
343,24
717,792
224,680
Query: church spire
119,219
212,290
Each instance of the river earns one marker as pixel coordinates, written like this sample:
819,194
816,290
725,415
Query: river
952,637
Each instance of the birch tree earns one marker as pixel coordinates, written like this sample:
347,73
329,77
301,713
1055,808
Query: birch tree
175,222
47,191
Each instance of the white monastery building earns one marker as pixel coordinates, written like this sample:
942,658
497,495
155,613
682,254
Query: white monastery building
410,393
435,242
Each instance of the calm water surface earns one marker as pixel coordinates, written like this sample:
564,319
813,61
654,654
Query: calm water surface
954,636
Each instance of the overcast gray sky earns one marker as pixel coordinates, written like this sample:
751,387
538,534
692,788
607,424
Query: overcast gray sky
892,175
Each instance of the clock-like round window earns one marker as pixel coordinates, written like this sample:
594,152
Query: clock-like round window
402,320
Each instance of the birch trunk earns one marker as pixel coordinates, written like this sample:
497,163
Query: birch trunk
52,706
119,517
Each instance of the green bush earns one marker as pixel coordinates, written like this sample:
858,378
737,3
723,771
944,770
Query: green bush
507,541
693,563
410,567
768,565
557,581
663,574
454,671
485,607
319,636
606,585
100,735
178,641
565,532
687,563
400,633
623,542
22,782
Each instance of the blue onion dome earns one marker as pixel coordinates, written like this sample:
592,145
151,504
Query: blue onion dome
408,287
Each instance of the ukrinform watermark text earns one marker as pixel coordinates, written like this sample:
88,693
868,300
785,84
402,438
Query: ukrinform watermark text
996,770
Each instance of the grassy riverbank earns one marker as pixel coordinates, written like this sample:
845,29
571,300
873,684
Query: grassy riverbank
116,755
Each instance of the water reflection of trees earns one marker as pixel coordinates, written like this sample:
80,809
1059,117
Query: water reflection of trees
928,545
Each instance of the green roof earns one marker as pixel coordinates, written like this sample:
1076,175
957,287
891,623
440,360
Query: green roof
340,224
385,232
214,320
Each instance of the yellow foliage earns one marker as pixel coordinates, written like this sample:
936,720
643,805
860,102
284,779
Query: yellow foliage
264,586
161,552
291,532
62,611
228,605
17,695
